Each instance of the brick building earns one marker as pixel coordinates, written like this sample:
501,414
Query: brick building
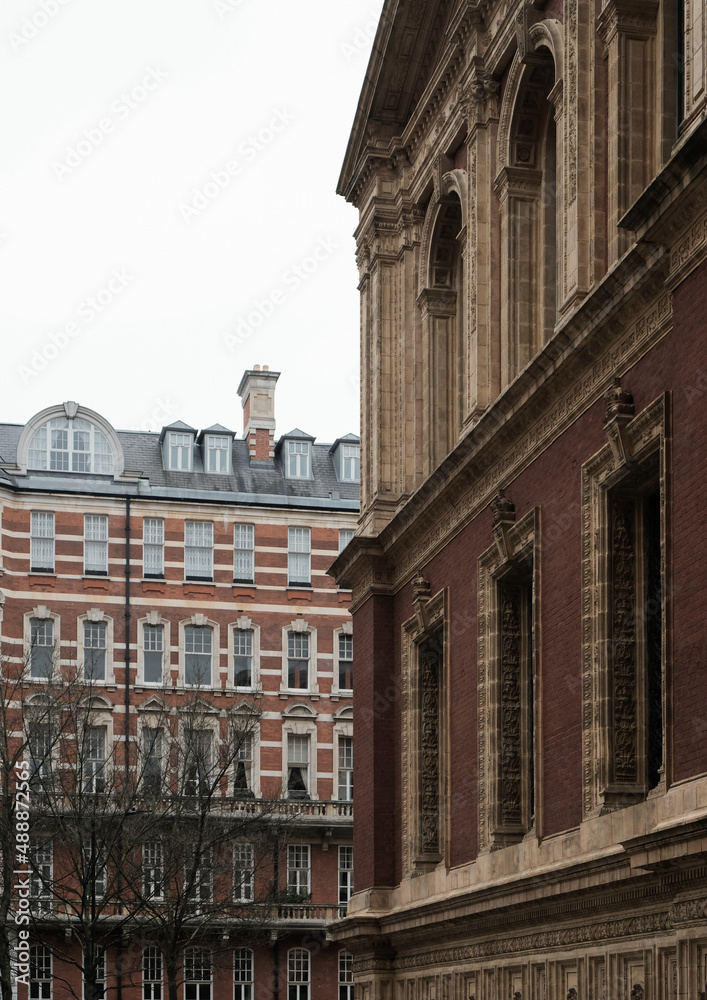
165,604
528,576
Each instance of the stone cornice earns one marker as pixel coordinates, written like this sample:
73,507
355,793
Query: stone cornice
628,313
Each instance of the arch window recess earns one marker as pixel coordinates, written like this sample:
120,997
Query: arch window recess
527,188
298,974
442,311
42,638
299,746
199,645
625,594
424,712
509,776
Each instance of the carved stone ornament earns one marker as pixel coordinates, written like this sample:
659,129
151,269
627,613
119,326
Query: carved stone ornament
503,509
420,588
429,747
620,411
572,994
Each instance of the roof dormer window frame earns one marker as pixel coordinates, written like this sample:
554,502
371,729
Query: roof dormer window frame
298,459
350,464
217,452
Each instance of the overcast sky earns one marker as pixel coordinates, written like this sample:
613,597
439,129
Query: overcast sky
169,216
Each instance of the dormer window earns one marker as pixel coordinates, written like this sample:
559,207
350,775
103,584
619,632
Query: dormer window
70,445
298,459
179,448
218,449
350,463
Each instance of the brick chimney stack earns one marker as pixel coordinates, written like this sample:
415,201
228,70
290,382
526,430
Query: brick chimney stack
257,392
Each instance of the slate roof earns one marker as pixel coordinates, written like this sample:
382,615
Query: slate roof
251,481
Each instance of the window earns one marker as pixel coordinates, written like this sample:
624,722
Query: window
94,760
218,449
40,972
41,875
298,660
345,873
297,766
41,647
345,793
345,536
153,546
199,550
299,573
243,873
198,761
198,653
77,445
197,974
41,559
179,448
40,760
346,982
243,657
298,870
152,653
350,462
94,987
345,661
243,782
152,761
243,553
298,974
199,875
95,545
243,974
152,976
298,459
153,870
94,866
94,651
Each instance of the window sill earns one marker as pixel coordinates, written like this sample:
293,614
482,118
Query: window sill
303,593
299,693
153,585
244,590
197,588
42,580
96,582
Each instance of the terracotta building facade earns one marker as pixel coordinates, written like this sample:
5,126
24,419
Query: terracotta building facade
528,580
175,656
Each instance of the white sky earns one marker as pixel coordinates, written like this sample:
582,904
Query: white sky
114,116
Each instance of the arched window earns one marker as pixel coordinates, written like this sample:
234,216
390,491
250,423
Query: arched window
527,190
66,444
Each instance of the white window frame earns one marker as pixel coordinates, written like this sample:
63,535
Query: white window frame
41,772
152,737
179,446
94,779
153,870
100,720
41,989
200,622
192,990
343,730
198,546
43,621
153,537
299,988
346,983
300,725
95,616
95,540
350,470
203,886
152,620
218,452
152,958
299,546
299,870
312,691
101,460
244,545
345,536
42,613
243,872
41,875
244,624
99,885
243,974
344,771
336,689
298,459
207,773
42,532
345,874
